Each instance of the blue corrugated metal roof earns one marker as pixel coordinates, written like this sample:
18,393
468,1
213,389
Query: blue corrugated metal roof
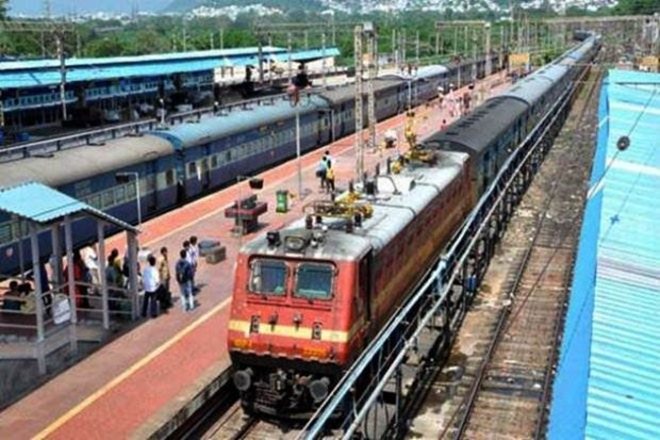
138,59
46,73
609,369
41,204
239,121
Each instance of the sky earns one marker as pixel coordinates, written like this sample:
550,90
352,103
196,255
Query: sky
33,7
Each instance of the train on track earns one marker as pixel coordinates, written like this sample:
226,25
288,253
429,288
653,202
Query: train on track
309,297
183,162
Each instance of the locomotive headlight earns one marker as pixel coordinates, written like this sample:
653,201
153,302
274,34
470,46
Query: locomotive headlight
319,389
243,379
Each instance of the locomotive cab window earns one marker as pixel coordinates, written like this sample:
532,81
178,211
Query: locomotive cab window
268,277
314,281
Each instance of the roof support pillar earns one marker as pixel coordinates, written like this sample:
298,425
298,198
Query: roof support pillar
56,259
38,288
102,280
71,282
21,254
132,271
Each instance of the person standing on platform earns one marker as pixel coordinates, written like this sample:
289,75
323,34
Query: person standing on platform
118,273
409,130
329,161
330,179
186,247
114,280
165,298
450,101
79,277
183,273
194,259
151,282
321,171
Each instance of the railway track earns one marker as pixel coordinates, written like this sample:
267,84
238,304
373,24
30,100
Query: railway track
234,424
510,390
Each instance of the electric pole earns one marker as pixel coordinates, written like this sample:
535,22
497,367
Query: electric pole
359,123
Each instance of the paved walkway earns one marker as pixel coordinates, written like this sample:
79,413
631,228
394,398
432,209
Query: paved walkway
132,384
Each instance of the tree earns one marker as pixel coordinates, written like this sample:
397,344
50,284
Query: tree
637,7
105,47
3,9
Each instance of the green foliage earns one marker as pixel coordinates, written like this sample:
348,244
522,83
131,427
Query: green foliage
637,7
169,33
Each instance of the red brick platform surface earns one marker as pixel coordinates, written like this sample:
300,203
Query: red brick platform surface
130,387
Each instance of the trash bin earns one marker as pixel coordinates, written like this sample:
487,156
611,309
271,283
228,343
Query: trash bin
282,201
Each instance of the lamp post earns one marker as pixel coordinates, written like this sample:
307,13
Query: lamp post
298,156
240,179
300,87
124,177
161,102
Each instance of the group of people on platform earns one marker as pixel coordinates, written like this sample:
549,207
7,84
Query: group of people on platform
326,173
456,104
459,105
156,279
20,296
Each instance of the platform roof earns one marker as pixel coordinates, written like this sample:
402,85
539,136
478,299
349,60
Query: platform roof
137,59
41,204
609,365
40,73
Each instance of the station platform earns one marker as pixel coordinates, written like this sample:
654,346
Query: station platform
139,385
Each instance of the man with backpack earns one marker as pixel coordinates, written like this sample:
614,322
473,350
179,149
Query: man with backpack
184,277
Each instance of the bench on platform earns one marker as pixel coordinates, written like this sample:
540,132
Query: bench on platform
246,212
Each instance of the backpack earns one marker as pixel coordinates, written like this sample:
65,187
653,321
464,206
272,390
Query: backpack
182,271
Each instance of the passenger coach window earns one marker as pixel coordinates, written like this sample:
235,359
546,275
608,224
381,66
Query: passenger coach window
314,281
268,277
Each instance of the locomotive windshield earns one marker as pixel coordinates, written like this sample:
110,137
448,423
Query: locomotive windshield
268,276
314,281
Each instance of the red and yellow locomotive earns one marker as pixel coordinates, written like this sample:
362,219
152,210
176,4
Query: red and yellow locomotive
308,298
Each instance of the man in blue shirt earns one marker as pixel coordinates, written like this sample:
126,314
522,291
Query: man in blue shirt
184,277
